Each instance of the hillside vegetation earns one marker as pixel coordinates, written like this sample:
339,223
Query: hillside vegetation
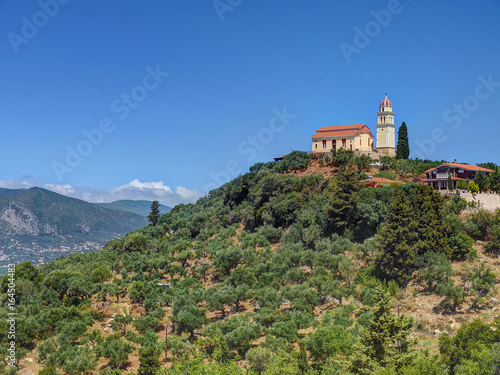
292,268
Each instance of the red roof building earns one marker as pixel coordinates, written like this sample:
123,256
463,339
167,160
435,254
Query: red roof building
438,177
351,137
358,137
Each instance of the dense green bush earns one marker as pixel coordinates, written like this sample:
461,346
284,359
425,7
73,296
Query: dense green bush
462,348
413,226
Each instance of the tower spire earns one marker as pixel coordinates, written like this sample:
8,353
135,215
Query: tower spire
386,129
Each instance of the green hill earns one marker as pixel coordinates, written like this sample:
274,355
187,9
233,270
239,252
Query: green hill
293,268
140,207
10,192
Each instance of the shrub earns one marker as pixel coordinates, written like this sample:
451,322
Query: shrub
295,161
238,331
257,167
258,359
462,185
253,240
135,242
434,268
342,158
386,174
473,188
272,234
492,248
461,245
454,294
328,341
100,274
363,176
483,281
459,348
479,225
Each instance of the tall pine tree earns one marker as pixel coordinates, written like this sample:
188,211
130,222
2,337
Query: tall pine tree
413,226
384,342
403,147
154,215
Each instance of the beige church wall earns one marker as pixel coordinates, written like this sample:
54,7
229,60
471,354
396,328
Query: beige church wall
350,141
365,142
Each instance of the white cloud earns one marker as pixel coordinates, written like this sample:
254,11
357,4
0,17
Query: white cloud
187,194
9,184
134,190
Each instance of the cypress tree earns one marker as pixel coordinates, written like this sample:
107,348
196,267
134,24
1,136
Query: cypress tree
396,239
384,342
154,215
149,361
403,147
413,226
302,361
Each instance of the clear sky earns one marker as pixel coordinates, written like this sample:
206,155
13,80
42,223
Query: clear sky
113,99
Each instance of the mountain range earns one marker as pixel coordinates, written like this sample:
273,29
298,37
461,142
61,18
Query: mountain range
39,225
137,207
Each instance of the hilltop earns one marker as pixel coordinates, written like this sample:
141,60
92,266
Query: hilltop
293,268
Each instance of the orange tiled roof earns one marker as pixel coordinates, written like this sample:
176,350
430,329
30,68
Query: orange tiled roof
333,131
462,166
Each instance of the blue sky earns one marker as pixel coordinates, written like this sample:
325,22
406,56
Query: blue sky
175,97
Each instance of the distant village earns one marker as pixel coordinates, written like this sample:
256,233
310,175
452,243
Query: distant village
15,251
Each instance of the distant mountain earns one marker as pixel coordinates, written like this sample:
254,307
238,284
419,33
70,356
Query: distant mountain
10,192
39,225
137,207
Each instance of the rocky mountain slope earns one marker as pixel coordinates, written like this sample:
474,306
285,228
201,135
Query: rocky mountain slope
38,220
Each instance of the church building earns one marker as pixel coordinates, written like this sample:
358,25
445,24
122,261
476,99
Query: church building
358,137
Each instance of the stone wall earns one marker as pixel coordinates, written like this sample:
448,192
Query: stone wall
488,201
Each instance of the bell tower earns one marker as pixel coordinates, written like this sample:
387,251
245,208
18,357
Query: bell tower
386,130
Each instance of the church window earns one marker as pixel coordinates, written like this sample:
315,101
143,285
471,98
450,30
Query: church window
343,142
324,143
